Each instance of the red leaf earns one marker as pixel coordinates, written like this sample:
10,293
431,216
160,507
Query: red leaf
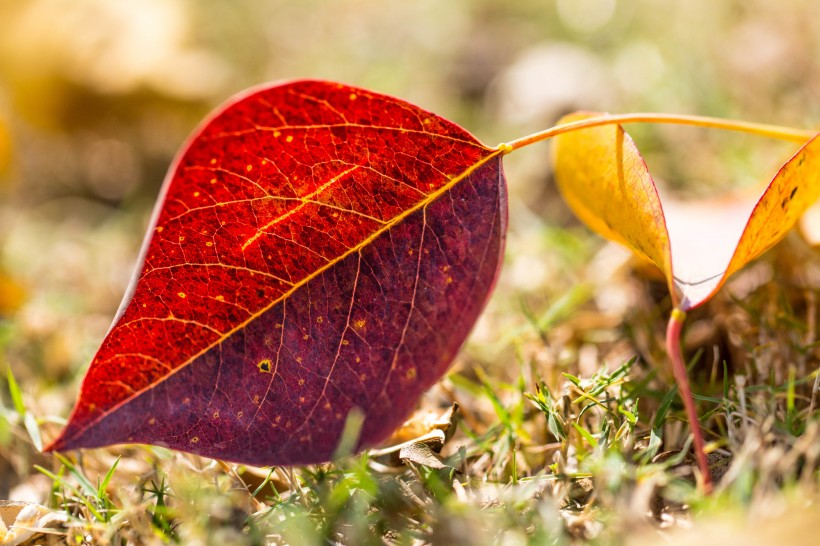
317,248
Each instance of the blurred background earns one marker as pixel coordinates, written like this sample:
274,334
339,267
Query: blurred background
96,96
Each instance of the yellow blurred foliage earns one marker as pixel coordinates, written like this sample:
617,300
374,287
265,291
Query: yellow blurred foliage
5,149
12,295
99,48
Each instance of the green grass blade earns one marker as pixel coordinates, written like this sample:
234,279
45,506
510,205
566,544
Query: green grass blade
85,484
33,430
586,434
16,395
107,479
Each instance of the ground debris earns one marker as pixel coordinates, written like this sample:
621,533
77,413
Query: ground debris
27,524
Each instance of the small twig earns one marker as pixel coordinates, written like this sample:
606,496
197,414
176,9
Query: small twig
673,350
771,131
257,505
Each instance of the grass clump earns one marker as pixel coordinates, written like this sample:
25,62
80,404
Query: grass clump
557,440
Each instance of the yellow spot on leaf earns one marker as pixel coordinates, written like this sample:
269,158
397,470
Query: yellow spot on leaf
319,320
353,96
410,374
152,421
196,194
276,134
289,139
181,294
264,365
240,414
159,229
213,180
359,324
213,161
306,337
181,239
301,382
209,243
299,359
195,439
345,342
301,399
220,298
186,400
215,414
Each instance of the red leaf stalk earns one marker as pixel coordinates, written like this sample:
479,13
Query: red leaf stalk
673,350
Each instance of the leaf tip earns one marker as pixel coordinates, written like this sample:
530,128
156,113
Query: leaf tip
58,444
62,442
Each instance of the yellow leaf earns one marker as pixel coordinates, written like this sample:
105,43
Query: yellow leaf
794,189
606,182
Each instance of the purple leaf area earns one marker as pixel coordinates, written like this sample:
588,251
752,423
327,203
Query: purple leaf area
374,332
